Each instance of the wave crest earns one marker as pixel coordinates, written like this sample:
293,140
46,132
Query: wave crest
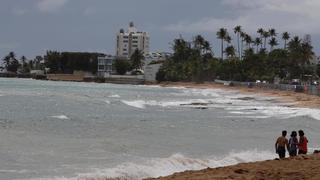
157,167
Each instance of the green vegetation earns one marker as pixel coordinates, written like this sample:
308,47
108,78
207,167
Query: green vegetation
194,61
64,62
122,66
67,62
136,60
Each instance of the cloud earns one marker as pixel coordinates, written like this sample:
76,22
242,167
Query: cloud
19,11
89,11
9,45
296,16
50,6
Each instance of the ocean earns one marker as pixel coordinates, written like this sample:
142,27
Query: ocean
78,131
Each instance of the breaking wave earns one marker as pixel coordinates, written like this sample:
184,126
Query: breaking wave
157,167
64,117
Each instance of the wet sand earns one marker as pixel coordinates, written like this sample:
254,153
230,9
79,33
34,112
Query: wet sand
299,168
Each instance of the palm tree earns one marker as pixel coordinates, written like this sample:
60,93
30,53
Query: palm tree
248,40
285,37
261,32
265,35
272,32
257,42
237,31
228,39
222,34
273,42
230,51
242,35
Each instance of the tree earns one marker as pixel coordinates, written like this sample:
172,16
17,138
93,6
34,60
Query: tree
261,32
237,31
137,60
24,65
230,52
265,35
285,37
272,32
11,63
248,40
257,43
122,66
222,34
242,35
273,42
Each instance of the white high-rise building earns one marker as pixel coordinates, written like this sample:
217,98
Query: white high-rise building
132,39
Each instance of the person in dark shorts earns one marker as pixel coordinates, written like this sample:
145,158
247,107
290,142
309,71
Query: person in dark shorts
281,145
293,144
303,143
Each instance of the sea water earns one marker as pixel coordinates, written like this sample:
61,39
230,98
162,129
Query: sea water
67,130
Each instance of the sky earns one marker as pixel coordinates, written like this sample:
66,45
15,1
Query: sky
30,27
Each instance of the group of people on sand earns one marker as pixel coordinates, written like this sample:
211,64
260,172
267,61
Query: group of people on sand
293,145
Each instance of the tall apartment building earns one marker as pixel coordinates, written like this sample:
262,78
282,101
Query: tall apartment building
132,39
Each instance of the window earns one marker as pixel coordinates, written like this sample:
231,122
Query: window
125,41
135,46
124,49
134,37
134,41
101,67
125,37
109,61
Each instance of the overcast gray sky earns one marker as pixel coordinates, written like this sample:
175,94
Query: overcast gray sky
30,27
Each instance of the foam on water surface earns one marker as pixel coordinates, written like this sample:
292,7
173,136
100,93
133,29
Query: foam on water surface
64,117
114,96
156,167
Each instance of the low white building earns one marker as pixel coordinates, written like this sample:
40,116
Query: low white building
150,72
105,64
152,64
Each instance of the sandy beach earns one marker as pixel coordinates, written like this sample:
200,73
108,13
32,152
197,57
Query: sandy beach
299,168
297,99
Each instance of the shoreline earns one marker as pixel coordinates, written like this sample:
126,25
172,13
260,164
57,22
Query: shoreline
301,100
300,167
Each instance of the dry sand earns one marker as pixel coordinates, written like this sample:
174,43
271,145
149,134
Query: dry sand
299,168
298,99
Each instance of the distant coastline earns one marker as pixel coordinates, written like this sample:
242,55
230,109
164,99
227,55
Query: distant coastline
290,97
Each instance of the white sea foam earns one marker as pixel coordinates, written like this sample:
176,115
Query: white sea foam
114,96
137,104
186,103
176,163
64,117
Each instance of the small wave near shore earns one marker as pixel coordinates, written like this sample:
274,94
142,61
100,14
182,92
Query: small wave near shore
157,167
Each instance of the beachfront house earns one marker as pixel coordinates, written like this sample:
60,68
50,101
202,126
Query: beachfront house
105,65
153,62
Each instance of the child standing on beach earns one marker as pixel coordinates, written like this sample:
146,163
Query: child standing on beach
293,144
281,144
303,143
